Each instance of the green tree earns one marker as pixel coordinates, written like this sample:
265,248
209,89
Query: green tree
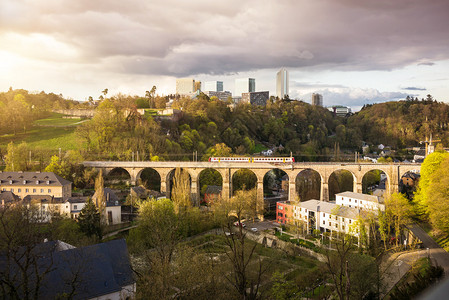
89,220
181,190
398,206
17,157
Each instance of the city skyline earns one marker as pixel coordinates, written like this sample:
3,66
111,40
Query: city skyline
358,53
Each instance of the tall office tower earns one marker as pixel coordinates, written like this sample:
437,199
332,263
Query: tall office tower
185,86
213,86
197,86
282,83
317,99
244,85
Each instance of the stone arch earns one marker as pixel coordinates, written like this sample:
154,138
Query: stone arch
308,184
375,179
341,180
243,177
275,187
209,177
150,178
171,175
118,175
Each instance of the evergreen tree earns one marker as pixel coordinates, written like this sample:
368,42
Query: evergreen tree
89,220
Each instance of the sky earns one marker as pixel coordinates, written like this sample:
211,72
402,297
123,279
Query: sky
352,52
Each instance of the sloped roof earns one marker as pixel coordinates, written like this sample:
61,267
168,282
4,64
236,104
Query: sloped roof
31,179
42,199
213,189
360,196
77,199
110,196
100,269
330,208
8,197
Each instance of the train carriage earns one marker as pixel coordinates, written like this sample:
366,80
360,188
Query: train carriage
253,159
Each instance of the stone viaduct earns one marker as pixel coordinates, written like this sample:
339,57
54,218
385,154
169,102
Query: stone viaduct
393,171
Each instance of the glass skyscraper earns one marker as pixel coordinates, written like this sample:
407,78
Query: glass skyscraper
282,83
213,86
244,85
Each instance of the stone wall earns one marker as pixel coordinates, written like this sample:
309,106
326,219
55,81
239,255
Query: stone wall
81,113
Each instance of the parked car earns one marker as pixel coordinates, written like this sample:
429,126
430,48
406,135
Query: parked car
254,229
241,224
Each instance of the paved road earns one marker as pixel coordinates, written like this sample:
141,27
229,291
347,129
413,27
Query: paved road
436,253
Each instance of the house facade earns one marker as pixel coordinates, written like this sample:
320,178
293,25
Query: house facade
360,201
24,184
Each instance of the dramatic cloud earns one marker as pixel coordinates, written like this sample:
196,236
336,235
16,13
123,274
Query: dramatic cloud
172,38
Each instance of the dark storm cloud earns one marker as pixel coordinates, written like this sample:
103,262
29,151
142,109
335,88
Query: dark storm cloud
414,88
181,38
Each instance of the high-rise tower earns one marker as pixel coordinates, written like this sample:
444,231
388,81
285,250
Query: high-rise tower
244,85
282,83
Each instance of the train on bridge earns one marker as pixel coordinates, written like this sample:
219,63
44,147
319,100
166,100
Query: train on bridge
253,159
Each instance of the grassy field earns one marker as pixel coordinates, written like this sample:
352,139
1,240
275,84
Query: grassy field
50,134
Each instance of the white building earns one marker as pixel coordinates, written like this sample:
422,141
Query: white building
282,83
360,201
213,86
244,85
185,86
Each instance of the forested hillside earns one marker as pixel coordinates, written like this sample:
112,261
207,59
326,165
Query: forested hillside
212,127
402,123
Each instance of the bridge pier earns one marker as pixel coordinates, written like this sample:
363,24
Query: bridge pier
324,193
357,187
292,196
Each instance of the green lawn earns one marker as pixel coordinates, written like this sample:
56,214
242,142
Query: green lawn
50,133
57,120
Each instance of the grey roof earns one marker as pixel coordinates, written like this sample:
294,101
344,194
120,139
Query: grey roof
331,208
42,199
101,269
360,196
8,197
31,179
213,189
110,196
77,199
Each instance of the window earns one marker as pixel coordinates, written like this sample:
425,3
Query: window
360,201
19,190
355,201
34,190
324,222
343,227
12,190
349,221
49,190
280,207
324,215
349,205
42,190
336,225
75,206
330,223
349,200
26,190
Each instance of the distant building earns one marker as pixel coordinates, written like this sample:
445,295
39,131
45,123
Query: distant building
185,86
213,192
223,96
113,207
197,86
244,85
360,201
256,98
317,99
282,83
340,111
213,86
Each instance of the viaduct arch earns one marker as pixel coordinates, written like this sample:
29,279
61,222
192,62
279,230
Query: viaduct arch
394,172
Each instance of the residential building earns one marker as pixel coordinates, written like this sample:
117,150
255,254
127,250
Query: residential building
360,201
284,212
185,86
47,206
282,83
213,86
73,206
113,211
256,98
8,198
213,192
340,111
317,99
222,96
318,215
23,184
244,85
100,271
